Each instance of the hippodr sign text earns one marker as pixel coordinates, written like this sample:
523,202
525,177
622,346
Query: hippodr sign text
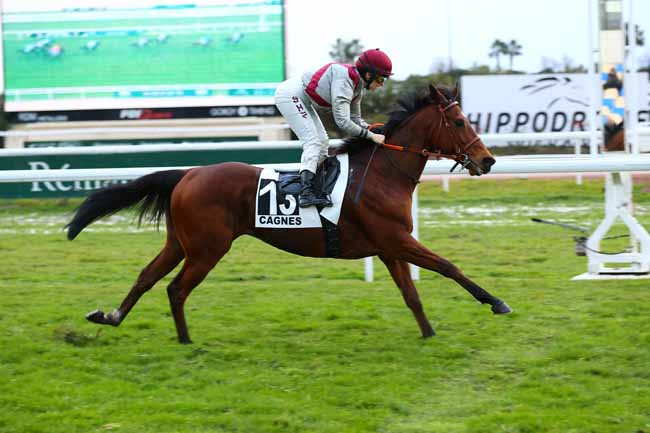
535,103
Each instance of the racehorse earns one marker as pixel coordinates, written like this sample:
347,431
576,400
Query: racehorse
614,137
207,208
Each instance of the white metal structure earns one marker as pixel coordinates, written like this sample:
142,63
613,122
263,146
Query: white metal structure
525,164
617,202
491,140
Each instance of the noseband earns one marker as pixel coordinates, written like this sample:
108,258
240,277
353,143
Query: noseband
461,157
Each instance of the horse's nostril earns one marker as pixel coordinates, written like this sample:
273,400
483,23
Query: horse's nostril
488,161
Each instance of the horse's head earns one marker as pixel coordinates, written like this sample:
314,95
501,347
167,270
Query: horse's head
454,137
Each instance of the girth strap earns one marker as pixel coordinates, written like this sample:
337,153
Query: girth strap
332,238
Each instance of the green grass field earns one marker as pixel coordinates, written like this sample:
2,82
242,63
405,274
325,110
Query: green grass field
289,344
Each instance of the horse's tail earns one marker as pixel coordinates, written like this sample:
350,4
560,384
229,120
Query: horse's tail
153,192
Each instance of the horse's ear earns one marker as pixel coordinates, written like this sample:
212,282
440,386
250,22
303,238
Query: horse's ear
435,94
454,93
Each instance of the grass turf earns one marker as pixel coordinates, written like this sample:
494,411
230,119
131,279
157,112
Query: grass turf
284,343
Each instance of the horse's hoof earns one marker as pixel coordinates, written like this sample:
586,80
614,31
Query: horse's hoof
501,308
96,316
428,333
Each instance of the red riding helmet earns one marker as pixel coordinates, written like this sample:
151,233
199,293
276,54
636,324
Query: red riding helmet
376,62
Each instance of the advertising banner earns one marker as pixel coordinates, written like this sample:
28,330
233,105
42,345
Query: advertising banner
535,103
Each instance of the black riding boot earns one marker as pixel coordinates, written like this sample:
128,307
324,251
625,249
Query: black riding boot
308,196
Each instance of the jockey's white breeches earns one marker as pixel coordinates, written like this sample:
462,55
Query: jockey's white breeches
296,107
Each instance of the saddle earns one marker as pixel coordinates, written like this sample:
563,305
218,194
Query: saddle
326,175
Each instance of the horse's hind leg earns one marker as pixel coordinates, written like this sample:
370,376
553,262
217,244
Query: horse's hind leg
202,256
170,256
414,252
400,272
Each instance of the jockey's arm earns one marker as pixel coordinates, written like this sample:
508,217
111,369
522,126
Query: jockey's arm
355,113
342,93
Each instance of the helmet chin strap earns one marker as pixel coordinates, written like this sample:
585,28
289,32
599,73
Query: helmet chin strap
372,78
368,69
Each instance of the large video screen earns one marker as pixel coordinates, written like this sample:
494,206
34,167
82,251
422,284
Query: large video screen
97,54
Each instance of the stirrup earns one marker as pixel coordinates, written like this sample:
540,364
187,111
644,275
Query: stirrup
310,199
328,201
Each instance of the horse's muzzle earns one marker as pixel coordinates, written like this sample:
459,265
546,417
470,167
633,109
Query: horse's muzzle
484,167
487,164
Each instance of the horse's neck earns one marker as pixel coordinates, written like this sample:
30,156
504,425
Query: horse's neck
407,162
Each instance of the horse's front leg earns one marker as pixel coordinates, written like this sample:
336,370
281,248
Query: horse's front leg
414,252
401,274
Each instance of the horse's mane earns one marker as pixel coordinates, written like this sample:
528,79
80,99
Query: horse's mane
407,105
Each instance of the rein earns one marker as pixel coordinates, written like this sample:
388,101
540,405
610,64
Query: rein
397,167
357,196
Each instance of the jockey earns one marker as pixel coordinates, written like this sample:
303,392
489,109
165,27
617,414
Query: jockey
334,88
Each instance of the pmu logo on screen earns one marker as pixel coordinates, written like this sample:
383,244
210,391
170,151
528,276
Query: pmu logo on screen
137,114
275,209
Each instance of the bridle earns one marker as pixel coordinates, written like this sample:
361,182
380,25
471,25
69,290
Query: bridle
460,156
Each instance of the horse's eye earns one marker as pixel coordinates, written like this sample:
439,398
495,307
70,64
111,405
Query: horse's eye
459,123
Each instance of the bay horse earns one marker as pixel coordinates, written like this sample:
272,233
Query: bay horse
614,137
207,208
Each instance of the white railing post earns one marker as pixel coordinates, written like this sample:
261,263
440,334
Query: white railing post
577,153
415,271
630,82
594,81
368,269
445,183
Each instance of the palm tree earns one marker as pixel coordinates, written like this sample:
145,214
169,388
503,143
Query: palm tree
497,48
346,51
513,49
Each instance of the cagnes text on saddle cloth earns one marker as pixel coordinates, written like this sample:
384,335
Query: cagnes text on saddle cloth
276,210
